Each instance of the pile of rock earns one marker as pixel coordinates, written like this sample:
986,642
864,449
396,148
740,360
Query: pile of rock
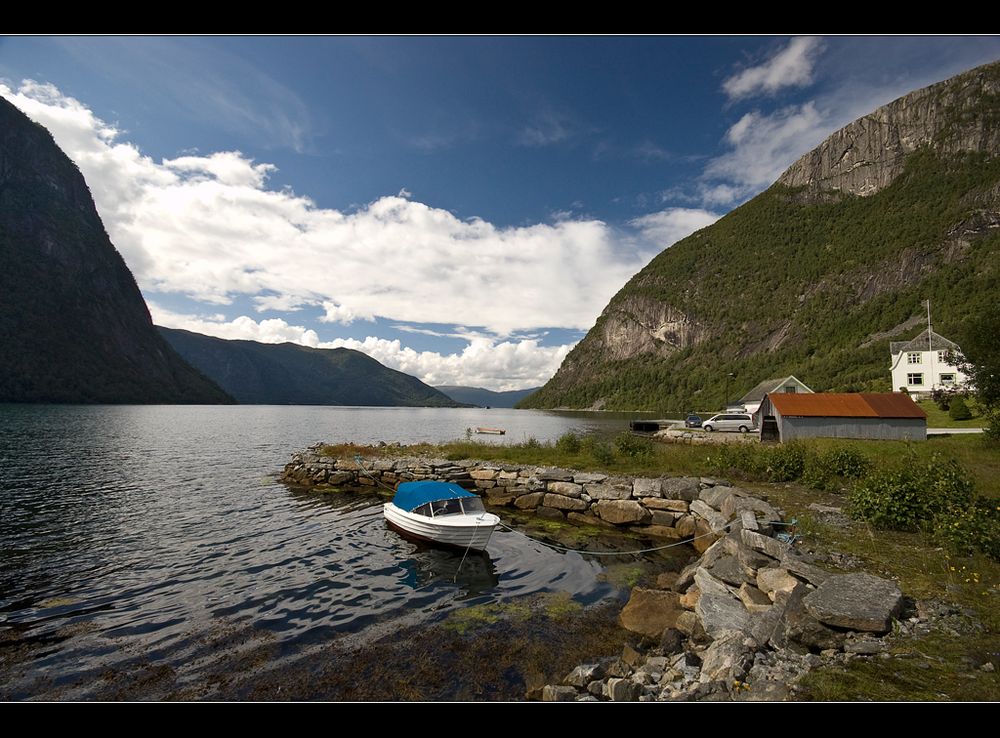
744,621
672,508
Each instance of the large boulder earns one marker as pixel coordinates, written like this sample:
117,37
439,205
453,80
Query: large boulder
718,607
561,502
680,488
644,487
621,512
856,601
651,611
773,581
567,489
529,501
803,628
608,491
728,658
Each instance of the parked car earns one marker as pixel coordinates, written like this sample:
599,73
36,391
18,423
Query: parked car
692,421
729,422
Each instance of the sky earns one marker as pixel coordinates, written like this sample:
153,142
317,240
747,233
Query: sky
459,208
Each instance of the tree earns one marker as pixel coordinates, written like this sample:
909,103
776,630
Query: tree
981,362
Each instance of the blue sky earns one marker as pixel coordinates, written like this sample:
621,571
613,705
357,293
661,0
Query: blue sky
460,208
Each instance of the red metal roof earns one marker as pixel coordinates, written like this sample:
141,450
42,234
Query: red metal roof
847,405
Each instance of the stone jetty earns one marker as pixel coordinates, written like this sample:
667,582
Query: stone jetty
745,619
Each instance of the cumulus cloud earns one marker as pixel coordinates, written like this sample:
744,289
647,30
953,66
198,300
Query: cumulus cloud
207,227
500,366
669,226
484,362
791,66
762,146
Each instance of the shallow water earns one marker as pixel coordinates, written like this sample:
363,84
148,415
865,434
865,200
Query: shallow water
159,537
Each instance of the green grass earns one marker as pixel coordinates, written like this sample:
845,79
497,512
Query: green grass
980,459
938,418
938,666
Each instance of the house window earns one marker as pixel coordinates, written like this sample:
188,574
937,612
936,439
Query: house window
943,357
790,389
913,357
947,379
915,378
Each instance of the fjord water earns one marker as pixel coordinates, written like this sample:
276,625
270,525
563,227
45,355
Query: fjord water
150,534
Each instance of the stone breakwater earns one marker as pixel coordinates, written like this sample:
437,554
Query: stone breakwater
699,510
746,619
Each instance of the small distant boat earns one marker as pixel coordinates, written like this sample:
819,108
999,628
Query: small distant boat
491,431
441,512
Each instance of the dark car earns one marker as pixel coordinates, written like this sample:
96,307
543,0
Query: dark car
692,421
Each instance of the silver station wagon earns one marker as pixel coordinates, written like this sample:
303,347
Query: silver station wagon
729,422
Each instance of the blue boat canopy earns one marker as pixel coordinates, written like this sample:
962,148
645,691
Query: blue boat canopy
411,495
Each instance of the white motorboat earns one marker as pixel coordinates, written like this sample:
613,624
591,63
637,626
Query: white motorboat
441,512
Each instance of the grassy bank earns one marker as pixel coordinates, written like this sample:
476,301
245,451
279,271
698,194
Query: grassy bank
938,418
944,664
633,455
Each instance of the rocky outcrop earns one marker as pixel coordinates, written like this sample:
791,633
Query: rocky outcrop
639,325
868,154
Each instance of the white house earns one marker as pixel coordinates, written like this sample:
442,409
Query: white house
926,363
789,385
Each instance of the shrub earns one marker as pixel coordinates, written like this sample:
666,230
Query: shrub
786,462
959,410
963,530
909,497
568,443
599,451
630,445
847,462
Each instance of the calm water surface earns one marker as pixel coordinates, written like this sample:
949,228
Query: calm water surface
141,533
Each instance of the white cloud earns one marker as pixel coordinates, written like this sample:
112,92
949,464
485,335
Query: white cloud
549,128
272,330
669,226
206,227
499,366
789,67
485,362
763,146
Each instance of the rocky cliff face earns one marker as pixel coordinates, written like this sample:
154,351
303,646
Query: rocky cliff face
812,276
73,325
867,155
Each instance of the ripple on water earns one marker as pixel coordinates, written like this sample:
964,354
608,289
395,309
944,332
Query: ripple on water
148,533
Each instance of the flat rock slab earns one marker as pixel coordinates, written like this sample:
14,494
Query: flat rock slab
718,607
620,512
651,611
856,601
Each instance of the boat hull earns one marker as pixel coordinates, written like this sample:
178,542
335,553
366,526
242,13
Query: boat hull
461,531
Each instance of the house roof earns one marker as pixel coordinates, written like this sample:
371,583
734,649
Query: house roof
847,405
769,385
937,343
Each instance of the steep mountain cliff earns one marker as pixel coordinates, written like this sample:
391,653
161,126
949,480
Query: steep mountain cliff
73,325
289,374
814,276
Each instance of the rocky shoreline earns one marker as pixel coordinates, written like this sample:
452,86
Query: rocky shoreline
746,619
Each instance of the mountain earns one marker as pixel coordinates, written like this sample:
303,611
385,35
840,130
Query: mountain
483,397
814,276
289,374
73,324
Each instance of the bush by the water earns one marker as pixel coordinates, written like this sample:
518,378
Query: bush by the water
630,445
790,462
568,443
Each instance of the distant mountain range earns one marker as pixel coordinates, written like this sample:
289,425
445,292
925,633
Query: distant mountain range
73,324
484,397
289,374
816,275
